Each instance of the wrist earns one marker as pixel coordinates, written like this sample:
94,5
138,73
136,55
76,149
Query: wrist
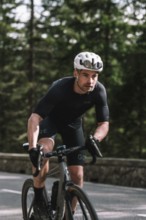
30,148
96,139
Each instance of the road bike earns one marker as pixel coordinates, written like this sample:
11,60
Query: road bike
60,198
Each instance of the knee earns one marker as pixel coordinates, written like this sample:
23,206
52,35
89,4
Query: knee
47,143
77,177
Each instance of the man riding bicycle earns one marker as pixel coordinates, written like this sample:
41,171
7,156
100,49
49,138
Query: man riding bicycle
61,110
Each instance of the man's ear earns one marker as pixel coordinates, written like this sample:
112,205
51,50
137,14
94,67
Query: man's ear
75,73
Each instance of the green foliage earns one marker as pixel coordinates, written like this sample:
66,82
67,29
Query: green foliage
41,49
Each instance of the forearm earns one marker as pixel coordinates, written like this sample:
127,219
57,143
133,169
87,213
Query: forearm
33,129
101,131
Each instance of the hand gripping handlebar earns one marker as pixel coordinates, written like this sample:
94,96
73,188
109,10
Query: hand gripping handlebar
60,151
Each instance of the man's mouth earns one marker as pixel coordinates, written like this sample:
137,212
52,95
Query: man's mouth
89,86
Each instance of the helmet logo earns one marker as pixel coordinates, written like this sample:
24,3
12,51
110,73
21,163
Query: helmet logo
99,65
88,64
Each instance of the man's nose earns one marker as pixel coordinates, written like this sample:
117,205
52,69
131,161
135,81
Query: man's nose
90,79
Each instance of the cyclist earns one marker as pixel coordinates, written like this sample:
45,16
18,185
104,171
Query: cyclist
61,110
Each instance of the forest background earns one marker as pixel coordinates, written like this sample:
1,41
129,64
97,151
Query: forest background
38,42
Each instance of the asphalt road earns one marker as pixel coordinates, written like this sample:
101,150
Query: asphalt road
111,202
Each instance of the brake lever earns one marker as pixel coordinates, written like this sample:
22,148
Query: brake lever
39,161
41,154
96,146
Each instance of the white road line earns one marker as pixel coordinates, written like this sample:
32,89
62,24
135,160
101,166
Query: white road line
142,215
8,212
10,177
113,214
10,191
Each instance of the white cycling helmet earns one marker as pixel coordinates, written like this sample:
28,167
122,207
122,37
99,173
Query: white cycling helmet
88,61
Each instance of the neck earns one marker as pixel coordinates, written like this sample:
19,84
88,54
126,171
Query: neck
77,88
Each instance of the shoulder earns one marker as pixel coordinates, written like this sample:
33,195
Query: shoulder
99,85
99,92
63,81
100,88
60,87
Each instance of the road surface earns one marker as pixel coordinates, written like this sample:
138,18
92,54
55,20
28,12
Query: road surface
111,202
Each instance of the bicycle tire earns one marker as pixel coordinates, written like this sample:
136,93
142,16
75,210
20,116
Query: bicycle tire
84,208
27,200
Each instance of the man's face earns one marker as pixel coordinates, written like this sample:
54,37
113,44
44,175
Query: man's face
85,81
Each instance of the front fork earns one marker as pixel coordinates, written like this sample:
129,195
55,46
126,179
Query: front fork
61,196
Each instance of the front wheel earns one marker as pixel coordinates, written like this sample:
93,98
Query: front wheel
27,200
84,208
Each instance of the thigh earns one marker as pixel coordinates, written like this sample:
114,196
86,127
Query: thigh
74,137
47,128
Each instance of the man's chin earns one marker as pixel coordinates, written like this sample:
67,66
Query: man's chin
87,89
90,89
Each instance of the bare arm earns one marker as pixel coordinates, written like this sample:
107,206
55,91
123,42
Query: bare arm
101,130
33,129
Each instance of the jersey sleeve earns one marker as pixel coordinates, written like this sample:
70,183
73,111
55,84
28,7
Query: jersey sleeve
101,107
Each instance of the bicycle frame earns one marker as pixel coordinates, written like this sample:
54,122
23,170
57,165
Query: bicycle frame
66,189
64,181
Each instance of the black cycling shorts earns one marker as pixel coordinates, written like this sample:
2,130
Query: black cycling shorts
72,135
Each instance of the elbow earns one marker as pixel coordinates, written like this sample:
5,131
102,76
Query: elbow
107,126
34,118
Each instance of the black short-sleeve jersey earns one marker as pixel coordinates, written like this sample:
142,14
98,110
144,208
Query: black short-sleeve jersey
65,106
